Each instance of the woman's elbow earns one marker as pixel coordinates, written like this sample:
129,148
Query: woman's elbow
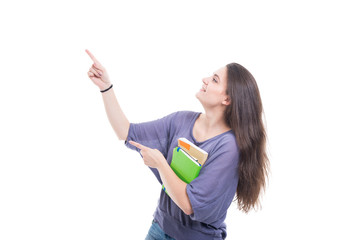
188,210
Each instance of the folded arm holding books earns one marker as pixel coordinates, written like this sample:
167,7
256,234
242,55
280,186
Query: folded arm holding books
175,187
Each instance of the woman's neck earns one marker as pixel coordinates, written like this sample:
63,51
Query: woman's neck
209,125
214,121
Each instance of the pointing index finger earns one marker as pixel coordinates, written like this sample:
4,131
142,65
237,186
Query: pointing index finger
92,57
138,145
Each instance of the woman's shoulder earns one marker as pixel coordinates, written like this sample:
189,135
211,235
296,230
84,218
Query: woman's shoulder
226,143
184,115
224,152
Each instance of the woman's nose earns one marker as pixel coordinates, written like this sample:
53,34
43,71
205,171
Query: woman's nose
205,81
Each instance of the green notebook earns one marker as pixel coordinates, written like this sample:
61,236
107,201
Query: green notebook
185,166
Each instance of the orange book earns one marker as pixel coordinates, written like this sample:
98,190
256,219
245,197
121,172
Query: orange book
193,150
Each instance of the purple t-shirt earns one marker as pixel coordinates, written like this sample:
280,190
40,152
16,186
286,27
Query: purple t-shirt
210,194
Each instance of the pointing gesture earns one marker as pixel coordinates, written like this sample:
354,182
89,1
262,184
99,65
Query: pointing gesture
97,73
152,157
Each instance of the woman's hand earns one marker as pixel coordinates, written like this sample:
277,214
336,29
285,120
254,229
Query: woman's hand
97,73
152,157
175,187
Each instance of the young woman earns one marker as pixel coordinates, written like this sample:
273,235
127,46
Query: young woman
231,130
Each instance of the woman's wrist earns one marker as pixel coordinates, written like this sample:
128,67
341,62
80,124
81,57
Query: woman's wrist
162,164
106,87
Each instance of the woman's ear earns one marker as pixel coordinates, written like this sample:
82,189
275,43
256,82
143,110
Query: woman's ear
227,101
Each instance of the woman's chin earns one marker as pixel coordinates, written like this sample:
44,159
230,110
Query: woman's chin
198,95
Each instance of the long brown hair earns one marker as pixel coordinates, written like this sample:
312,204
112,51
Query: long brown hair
244,116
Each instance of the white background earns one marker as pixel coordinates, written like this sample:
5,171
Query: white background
65,175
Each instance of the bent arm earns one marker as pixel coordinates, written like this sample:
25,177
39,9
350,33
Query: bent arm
175,187
116,116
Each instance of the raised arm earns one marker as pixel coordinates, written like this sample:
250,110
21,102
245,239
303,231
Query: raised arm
99,76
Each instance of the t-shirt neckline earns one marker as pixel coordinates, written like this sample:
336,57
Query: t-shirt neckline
209,139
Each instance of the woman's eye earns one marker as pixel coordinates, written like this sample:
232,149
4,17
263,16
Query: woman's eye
214,80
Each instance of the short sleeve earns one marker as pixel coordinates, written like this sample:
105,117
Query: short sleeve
212,192
153,134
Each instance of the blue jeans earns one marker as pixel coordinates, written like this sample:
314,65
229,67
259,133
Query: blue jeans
156,233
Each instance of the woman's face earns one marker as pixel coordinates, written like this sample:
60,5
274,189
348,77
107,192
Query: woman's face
213,91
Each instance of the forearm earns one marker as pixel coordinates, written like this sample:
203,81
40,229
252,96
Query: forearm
175,187
116,116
